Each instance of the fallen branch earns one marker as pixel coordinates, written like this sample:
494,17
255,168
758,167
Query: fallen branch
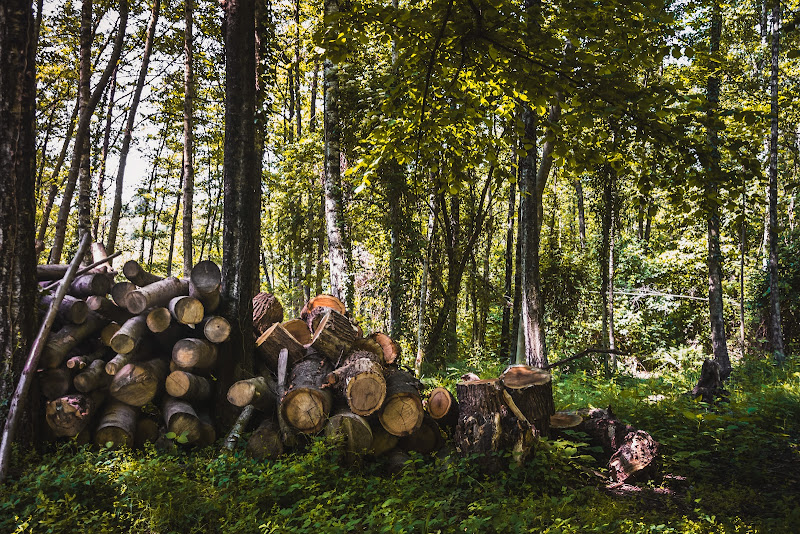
238,427
583,353
24,385
85,270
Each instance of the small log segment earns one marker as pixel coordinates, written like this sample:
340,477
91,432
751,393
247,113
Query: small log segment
141,352
60,343
71,310
486,424
95,377
426,439
352,432
217,329
156,294
136,384
334,335
259,391
117,426
443,408
120,292
238,427
361,380
87,285
129,335
267,310
530,391
187,386
305,406
82,361
134,272
53,271
288,433
186,310
108,309
192,353
265,441
181,419
402,411
317,307
158,319
54,383
635,458
382,441
299,330
204,284
275,338
69,415
389,347
108,332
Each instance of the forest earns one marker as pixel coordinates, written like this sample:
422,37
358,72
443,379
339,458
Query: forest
555,218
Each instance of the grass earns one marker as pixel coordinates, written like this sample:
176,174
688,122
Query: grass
730,468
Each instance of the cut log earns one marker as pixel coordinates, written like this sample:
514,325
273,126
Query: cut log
120,292
604,429
117,426
100,260
87,285
317,307
368,344
108,332
181,419
54,383
108,309
71,310
51,272
486,424
265,442
389,347
156,294
147,431
217,329
238,427
635,458
402,411
351,431
187,386
129,335
305,406
334,335
95,377
158,319
426,439
82,361
299,330
174,333
530,391
267,311
204,284
142,351
259,391
136,384
134,272
186,310
69,415
275,338
442,406
60,343
361,380
195,353
382,441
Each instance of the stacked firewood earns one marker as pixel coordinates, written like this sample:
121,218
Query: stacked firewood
136,366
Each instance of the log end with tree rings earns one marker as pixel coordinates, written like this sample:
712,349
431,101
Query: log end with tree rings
529,393
117,426
69,415
258,391
191,352
120,292
138,384
306,409
298,329
187,386
267,310
159,319
402,414
389,347
186,310
352,432
318,306
217,329
136,274
181,420
205,277
366,390
129,334
440,403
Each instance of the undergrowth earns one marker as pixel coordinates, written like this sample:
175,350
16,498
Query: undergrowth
728,468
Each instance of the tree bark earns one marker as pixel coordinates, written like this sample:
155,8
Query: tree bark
188,139
508,298
101,172
423,289
581,213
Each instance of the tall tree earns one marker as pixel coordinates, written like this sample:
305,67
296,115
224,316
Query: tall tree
188,138
17,198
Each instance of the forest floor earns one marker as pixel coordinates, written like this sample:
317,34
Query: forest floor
734,467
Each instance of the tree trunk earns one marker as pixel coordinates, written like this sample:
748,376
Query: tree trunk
101,173
188,139
423,289
174,226
581,213
508,298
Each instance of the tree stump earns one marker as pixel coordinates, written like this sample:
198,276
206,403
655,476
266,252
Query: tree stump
305,406
530,390
361,380
709,386
402,411
267,311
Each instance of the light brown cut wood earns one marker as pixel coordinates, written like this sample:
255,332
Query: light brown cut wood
87,285
361,380
82,361
136,384
204,284
402,411
305,406
117,426
351,431
267,310
442,406
299,330
134,272
120,291
108,332
108,309
270,343
259,391
95,377
60,343
71,310
156,294
100,260
565,420
334,335
390,348
217,329
186,310
69,415
181,419
187,386
54,383
265,441
530,390
318,306
368,344
426,439
129,335
158,319
194,353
